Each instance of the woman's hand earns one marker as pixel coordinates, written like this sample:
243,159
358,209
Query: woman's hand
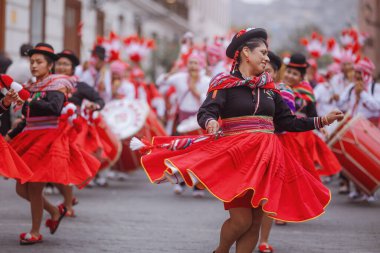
212,126
332,116
10,97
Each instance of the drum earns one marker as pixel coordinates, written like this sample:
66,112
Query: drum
355,144
129,118
190,126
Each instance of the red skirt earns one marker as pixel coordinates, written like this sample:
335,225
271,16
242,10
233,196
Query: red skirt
232,166
54,158
11,165
312,152
98,140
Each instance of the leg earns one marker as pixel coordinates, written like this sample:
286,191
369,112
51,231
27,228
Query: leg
22,190
266,227
247,242
67,193
239,222
37,206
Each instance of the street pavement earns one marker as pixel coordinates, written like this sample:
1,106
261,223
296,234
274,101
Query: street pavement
135,216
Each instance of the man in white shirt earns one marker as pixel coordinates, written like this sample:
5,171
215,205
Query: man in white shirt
191,90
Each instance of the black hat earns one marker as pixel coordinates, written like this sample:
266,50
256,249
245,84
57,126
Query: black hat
298,61
25,48
45,49
243,36
275,60
70,55
100,52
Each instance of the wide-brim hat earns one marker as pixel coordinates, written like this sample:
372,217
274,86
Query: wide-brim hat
70,55
243,36
45,49
275,60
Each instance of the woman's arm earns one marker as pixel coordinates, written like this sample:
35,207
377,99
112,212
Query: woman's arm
18,129
284,120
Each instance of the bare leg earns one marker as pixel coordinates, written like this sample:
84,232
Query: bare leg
22,190
247,242
266,227
36,205
239,222
67,193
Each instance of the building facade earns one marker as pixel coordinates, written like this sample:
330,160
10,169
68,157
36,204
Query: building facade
369,22
60,22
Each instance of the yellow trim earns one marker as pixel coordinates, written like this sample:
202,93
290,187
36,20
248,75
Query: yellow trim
262,200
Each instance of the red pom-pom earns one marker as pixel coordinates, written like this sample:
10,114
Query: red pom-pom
70,112
24,94
6,80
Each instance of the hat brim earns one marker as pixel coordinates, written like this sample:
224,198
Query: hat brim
71,57
236,42
36,51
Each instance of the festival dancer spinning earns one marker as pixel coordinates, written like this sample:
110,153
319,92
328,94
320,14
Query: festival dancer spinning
323,158
43,142
65,65
247,168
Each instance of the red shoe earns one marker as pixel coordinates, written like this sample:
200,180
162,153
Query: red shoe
74,201
70,214
265,248
53,224
28,239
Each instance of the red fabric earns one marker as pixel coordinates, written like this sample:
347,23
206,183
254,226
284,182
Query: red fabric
88,138
232,165
295,143
312,152
53,156
110,144
98,141
11,165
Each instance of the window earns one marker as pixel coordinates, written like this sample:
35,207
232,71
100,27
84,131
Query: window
72,25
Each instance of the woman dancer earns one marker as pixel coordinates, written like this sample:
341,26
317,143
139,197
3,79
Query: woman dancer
65,65
248,168
43,142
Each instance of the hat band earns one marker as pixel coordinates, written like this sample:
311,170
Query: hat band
297,65
42,48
